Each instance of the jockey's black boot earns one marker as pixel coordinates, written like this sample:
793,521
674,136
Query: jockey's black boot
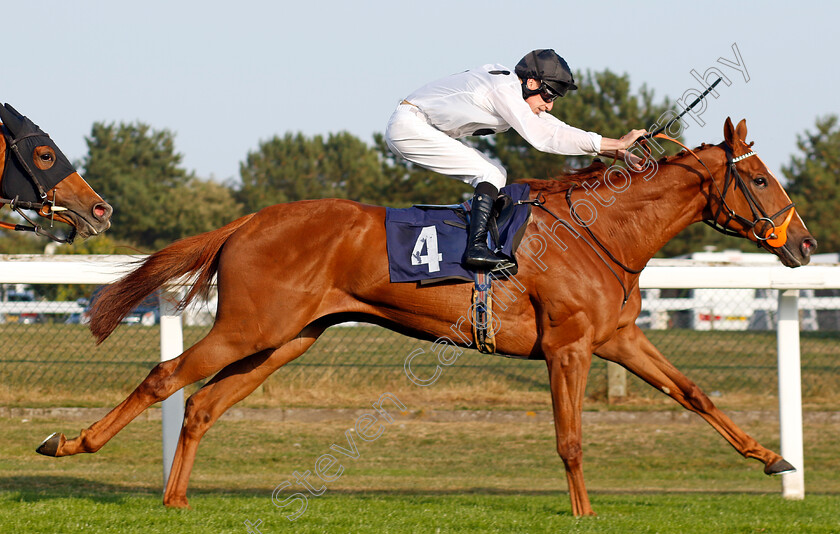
478,254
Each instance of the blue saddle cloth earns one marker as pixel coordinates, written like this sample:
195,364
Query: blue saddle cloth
428,244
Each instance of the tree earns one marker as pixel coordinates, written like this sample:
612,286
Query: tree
410,184
137,169
155,200
814,181
296,167
206,205
12,242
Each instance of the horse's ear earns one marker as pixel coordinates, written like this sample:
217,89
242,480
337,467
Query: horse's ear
11,119
741,130
729,132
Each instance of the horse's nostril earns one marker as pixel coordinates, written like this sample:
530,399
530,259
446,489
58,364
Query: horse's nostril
808,246
102,211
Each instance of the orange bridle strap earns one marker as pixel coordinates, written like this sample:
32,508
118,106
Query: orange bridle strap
776,237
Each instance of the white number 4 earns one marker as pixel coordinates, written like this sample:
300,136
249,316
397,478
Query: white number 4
427,238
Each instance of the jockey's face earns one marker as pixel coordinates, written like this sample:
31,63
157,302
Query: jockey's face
538,105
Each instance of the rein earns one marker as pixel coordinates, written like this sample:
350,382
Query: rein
19,205
540,203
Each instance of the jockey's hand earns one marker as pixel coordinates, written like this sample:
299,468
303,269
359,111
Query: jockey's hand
609,146
630,137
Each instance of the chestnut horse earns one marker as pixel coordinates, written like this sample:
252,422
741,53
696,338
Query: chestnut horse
36,175
288,272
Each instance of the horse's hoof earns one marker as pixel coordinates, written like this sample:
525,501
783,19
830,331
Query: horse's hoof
177,503
779,468
50,446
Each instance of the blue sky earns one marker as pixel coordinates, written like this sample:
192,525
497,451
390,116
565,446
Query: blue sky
224,75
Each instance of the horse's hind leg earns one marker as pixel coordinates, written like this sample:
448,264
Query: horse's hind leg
229,386
632,349
219,348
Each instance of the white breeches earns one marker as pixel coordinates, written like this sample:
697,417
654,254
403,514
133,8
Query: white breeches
410,135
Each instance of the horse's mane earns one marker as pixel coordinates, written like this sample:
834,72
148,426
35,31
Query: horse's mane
596,169
567,178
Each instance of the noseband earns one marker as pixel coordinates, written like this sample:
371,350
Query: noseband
775,236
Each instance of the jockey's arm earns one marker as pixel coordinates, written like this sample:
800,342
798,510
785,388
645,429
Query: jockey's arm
626,141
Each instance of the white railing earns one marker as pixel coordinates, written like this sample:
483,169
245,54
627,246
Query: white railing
57,307
660,274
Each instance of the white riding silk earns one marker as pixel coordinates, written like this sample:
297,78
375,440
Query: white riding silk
424,128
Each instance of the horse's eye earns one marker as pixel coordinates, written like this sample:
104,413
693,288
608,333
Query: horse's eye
43,157
760,181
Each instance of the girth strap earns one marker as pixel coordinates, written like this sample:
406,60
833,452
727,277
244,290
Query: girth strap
482,309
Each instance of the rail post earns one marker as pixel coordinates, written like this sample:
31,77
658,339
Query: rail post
790,394
616,382
171,346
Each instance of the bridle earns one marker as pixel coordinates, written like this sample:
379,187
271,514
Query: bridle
18,205
771,237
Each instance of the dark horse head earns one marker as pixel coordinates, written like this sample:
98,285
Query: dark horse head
35,174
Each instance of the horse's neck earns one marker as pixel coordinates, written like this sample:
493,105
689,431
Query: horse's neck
641,219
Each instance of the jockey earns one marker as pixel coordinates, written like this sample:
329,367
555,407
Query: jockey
426,125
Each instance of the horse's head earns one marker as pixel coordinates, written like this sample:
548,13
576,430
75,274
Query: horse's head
751,203
36,172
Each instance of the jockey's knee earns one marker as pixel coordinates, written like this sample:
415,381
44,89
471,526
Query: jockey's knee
495,176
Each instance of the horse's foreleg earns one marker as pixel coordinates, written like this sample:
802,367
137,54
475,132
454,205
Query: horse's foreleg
568,367
632,349
201,360
229,386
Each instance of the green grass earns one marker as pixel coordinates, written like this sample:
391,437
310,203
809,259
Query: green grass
420,477
418,513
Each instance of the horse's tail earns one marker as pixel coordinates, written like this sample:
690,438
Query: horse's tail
197,256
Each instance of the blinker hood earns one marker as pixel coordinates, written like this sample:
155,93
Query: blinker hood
21,176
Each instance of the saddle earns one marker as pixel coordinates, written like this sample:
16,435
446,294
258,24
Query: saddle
426,242
503,211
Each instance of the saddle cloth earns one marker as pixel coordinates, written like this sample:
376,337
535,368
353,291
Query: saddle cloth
427,244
